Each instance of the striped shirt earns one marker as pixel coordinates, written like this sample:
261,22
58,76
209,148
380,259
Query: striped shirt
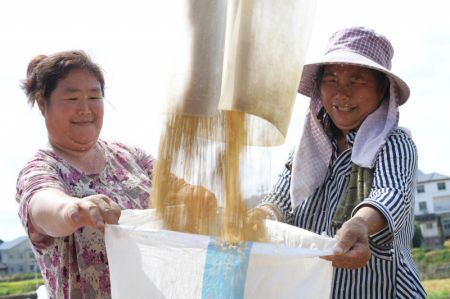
390,273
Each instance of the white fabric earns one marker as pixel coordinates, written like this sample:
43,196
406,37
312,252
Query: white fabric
153,263
227,56
41,292
312,155
373,133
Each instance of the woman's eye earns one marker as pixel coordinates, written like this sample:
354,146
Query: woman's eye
71,99
330,80
358,81
95,97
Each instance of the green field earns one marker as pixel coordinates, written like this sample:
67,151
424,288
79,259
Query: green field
437,288
431,262
19,287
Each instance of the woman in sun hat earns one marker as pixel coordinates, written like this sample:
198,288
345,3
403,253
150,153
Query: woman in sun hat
352,175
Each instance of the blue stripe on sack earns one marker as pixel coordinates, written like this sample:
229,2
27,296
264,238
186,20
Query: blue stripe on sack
225,270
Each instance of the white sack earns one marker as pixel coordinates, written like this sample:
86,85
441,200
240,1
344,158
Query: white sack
148,262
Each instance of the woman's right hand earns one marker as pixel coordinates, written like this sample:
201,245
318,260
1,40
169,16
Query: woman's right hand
91,211
352,250
255,222
262,212
54,213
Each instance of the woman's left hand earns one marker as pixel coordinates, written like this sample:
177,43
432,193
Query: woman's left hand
352,250
201,208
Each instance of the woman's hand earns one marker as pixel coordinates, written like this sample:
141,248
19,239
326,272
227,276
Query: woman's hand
56,214
352,250
91,211
258,214
255,221
201,208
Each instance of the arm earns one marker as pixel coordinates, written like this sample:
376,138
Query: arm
352,250
374,220
277,205
392,192
46,210
385,213
185,207
54,213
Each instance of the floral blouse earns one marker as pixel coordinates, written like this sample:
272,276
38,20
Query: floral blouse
76,266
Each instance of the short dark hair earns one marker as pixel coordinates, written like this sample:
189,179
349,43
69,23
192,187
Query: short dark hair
44,72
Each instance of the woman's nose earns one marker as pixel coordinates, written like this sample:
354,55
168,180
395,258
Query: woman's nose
83,105
343,89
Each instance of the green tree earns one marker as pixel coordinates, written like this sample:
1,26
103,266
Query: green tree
417,238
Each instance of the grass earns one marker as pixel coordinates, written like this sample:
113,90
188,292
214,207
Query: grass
430,262
19,287
437,288
21,276
433,264
447,244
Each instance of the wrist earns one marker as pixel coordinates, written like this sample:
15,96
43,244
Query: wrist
361,221
271,212
373,218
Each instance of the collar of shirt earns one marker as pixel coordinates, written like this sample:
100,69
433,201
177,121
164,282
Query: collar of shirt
350,140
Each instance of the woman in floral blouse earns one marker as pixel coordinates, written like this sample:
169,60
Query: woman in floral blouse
68,191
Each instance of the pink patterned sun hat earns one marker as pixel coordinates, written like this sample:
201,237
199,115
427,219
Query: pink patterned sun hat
357,46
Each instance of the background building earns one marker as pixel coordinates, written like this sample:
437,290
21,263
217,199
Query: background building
432,207
17,257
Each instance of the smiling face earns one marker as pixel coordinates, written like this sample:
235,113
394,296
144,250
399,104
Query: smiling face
349,94
74,112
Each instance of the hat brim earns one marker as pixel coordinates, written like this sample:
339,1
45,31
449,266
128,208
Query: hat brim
343,57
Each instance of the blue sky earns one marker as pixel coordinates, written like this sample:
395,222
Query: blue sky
131,40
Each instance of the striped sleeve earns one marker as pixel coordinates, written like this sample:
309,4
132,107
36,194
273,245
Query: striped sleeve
392,186
280,197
